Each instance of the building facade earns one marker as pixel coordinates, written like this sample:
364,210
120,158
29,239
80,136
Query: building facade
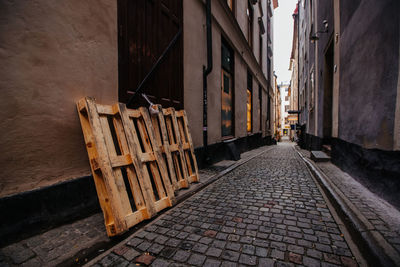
348,87
212,58
285,107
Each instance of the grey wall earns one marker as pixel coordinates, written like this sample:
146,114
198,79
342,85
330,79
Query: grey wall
369,63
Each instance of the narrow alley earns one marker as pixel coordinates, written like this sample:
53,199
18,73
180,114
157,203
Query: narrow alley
200,133
268,211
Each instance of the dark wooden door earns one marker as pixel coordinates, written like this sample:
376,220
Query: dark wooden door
146,27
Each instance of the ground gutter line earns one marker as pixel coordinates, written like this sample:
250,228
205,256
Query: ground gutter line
179,200
371,244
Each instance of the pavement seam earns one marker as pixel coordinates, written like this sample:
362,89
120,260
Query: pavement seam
374,243
179,201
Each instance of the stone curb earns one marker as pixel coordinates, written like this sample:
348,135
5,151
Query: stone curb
374,248
179,199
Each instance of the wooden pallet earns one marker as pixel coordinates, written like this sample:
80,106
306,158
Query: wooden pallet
128,168
181,145
187,145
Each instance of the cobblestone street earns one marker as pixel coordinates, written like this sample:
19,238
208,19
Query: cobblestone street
267,212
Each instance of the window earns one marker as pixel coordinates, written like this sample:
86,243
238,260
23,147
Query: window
226,90
250,18
249,101
260,105
261,51
269,112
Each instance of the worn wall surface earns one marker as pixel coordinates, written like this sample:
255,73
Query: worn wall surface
52,53
195,36
369,69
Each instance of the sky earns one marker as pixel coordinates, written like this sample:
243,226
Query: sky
283,35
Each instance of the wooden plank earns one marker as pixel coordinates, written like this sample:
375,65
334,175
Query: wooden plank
162,167
97,176
117,174
186,124
148,148
174,148
130,170
160,122
108,190
147,157
121,161
106,109
135,151
163,203
133,113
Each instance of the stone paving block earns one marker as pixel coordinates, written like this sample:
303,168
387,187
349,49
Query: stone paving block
295,258
159,263
218,244
145,259
130,254
181,256
200,248
264,262
212,263
228,264
196,260
248,259
230,255
134,242
34,262
277,254
113,260
261,252
311,262
18,253
168,252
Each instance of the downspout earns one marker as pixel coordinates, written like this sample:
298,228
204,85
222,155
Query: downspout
298,61
206,71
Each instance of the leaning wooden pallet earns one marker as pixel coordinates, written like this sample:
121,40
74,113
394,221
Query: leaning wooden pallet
176,148
187,145
127,193
162,140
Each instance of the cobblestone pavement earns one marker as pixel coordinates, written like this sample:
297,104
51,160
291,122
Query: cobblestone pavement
381,215
87,236
267,212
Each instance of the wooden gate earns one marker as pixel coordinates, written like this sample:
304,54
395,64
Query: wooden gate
146,27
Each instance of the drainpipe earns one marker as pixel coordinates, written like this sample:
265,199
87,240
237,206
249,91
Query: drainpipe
206,71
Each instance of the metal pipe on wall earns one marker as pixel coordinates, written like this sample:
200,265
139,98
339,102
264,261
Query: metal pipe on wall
206,71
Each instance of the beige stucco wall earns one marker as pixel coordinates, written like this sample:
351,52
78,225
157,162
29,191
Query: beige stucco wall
52,53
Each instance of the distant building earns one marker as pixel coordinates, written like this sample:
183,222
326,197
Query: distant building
285,107
277,109
294,81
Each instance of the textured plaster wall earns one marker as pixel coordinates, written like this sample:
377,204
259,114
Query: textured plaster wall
369,68
52,53
195,36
